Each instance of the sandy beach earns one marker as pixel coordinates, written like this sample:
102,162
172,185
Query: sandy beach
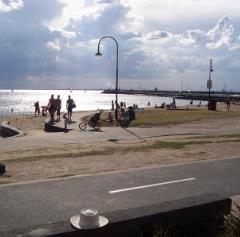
40,155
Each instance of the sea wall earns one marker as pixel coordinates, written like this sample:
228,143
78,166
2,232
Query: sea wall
194,214
7,130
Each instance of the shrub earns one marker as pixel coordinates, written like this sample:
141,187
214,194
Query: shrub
232,223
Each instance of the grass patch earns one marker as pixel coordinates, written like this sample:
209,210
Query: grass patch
230,135
161,117
236,135
107,151
177,145
225,141
60,155
110,151
152,118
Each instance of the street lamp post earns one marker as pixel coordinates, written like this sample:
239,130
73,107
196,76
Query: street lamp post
116,86
209,82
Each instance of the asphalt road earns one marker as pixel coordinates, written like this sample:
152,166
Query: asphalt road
31,204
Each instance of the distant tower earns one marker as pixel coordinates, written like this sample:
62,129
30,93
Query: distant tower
224,87
209,82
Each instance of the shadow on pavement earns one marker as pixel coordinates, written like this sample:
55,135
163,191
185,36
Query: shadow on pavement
134,134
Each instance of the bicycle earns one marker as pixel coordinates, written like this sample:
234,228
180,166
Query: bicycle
93,122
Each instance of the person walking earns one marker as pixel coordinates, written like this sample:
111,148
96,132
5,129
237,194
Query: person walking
70,105
37,108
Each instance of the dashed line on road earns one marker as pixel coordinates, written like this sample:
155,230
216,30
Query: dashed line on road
151,185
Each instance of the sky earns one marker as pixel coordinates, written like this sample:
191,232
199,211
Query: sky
164,44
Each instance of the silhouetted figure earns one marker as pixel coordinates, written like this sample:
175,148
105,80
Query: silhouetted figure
52,108
66,121
37,108
59,106
112,105
110,118
228,105
70,105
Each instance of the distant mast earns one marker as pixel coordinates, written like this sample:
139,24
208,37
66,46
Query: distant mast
209,82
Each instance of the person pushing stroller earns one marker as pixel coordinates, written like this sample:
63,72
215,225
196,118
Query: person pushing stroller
93,122
95,119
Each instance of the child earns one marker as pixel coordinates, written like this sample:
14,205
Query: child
110,118
66,120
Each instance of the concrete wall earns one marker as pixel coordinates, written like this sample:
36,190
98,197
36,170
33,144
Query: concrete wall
8,131
195,214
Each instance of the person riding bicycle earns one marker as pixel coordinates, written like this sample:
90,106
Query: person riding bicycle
95,118
93,122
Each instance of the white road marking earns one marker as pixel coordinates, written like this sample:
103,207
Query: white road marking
151,185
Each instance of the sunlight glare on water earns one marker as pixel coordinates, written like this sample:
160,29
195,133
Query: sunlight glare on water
22,101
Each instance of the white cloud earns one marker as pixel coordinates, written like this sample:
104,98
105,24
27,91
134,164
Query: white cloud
158,35
182,15
10,5
221,34
159,42
68,34
55,45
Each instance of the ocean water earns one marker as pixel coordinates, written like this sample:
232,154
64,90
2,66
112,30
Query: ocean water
22,101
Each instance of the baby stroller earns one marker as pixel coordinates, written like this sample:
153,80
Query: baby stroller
93,122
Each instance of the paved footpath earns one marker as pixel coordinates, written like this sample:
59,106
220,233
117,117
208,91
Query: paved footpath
75,136
37,203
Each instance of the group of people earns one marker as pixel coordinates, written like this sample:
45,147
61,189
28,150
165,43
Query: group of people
118,106
54,107
125,115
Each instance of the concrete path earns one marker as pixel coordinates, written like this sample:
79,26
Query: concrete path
37,203
75,136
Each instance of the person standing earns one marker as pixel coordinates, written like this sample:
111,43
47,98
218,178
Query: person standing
110,118
66,120
112,106
37,108
70,105
228,105
59,106
52,108
121,105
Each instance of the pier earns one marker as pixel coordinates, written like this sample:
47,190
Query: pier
217,96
